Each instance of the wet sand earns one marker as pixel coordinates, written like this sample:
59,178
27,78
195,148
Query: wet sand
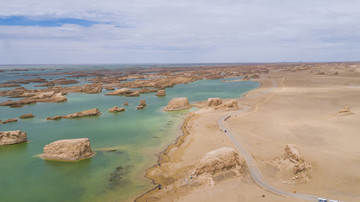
301,108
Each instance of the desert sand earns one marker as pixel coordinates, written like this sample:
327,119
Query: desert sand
315,106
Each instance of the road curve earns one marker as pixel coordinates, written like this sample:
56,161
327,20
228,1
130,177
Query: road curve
251,163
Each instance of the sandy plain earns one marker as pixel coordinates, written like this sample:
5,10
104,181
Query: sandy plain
293,105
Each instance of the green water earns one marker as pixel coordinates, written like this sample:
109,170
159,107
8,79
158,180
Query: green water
135,135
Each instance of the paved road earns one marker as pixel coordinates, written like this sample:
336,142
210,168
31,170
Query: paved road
251,163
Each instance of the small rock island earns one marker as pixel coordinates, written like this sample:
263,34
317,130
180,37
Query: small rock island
68,150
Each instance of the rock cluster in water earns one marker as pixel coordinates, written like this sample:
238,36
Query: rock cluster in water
12,137
68,150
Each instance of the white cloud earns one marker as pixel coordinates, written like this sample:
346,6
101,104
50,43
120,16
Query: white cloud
183,31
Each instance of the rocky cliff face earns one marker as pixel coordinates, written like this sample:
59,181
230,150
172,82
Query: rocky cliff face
12,137
177,104
68,150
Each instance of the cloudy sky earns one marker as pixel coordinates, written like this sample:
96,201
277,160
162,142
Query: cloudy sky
178,31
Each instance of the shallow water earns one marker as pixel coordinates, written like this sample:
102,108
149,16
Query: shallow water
133,137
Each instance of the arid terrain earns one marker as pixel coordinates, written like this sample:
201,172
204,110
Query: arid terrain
314,107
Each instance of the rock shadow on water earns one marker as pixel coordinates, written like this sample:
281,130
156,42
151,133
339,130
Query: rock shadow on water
118,178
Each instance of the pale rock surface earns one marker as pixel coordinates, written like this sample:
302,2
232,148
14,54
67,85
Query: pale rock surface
68,150
12,137
160,93
141,105
231,104
9,121
178,103
214,102
121,91
90,112
345,111
216,165
216,161
292,166
26,116
116,109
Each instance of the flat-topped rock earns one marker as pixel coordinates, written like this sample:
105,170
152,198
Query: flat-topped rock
90,112
116,109
160,93
26,116
68,150
9,121
121,91
12,137
178,103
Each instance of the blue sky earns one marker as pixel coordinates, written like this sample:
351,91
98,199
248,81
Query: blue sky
187,31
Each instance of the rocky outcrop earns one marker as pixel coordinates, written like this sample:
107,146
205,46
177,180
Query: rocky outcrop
26,116
345,111
231,104
177,104
27,81
215,166
126,103
57,117
35,97
68,150
90,112
64,81
213,102
121,91
9,121
116,109
12,137
292,166
7,85
141,105
133,94
109,88
86,88
219,160
161,93
147,90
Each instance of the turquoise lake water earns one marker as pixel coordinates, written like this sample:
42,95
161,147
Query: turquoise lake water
134,137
